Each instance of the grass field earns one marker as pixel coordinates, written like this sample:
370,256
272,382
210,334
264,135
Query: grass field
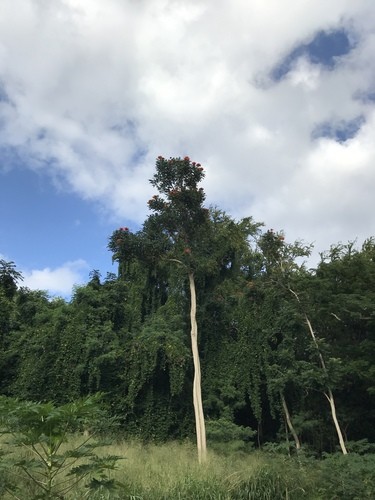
171,472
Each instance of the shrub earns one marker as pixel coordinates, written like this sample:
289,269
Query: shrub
225,436
349,477
49,468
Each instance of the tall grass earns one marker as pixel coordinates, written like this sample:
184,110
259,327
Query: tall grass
171,472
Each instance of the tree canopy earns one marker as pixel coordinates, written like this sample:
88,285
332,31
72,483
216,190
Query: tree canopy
129,335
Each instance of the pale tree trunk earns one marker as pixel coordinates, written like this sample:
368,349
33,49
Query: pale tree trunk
331,402
329,393
197,392
290,423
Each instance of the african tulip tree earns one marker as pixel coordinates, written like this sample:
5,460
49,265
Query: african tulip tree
178,214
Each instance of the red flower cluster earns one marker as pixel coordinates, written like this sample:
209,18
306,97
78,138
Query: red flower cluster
124,229
187,158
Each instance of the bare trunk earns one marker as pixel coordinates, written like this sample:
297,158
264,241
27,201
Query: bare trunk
329,396
331,401
289,423
197,392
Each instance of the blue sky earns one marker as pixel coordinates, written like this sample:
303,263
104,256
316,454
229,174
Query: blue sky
47,227
324,49
275,99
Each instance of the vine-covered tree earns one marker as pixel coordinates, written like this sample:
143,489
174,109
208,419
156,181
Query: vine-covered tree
265,325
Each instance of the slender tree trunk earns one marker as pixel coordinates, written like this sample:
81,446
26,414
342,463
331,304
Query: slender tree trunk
290,423
287,436
197,392
331,401
329,393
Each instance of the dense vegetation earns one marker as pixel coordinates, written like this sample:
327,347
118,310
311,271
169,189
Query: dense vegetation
286,353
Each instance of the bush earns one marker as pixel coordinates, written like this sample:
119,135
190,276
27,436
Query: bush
226,437
349,477
48,467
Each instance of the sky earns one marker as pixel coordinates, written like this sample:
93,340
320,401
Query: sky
275,99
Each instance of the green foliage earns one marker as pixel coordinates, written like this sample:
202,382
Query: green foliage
361,447
127,335
157,347
42,430
348,477
178,208
228,437
9,278
155,376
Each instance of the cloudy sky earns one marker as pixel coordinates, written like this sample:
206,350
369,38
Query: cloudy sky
275,99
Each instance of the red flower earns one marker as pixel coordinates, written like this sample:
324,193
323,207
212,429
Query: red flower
187,251
187,158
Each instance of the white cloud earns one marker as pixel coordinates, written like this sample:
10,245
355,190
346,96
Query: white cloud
58,281
98,89
305,74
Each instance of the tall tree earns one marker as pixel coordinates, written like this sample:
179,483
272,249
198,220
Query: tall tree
281,267
178,213
343,294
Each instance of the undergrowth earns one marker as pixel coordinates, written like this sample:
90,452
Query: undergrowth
171,472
